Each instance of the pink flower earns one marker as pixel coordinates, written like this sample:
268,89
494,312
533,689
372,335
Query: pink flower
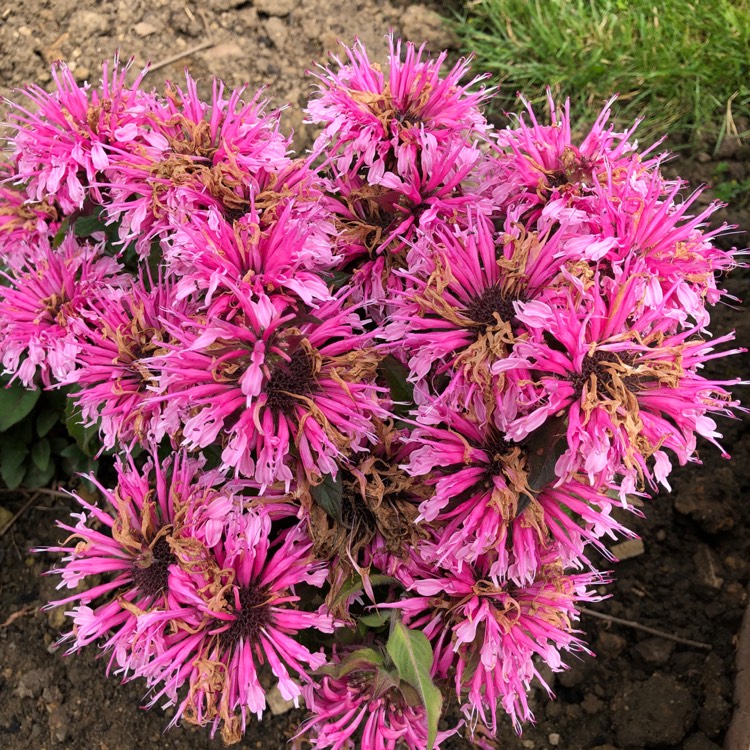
360,705
283,246
283,394
371,117
122,333
384,226
458,315
42,306
23,222
538,163
485,507
629,387
60,144
240,612
186,154
148,526
402,147
487,634
677,252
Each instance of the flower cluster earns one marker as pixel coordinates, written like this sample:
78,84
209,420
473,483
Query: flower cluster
386,394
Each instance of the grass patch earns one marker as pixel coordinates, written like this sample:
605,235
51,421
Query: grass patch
728,189
682,66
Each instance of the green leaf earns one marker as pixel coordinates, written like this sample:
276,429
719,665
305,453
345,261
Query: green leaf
61,233
16,403
13,465
76,461
339,279
543,447
355,584
36,477
46,420
383,682
376,619
57,399
395,375
73,452
21,433
328,495
362,658
85,437
40,454
411,653
85,226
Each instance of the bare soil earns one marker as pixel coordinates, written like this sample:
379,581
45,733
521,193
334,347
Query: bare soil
641,691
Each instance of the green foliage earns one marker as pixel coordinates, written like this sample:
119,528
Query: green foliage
543,449
15,404
729,189
329,495
683,66
86,437
355,584
41,438
396,376
362,657
411,653
377,619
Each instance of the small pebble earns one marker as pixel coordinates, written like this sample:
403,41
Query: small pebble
629,549
275,7
655,651
144,29
5,516
554,739
277,703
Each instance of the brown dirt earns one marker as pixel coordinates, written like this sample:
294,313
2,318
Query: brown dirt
639,692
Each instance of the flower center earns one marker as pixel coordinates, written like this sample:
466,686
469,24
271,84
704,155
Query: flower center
252,615
574,169
598,364
357,517
409,118
289,379
55,306
493,302
135,344
498,452
151,570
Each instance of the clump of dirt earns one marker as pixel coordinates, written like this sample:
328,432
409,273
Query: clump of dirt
641,691
262,43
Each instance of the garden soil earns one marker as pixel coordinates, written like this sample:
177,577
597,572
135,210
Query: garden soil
689,576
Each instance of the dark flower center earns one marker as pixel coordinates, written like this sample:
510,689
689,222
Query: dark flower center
483,309
497,450
252,615
234,213
574,169
55,305
596,364
289,379
557,179
151,571
380,219
357,517
409,118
